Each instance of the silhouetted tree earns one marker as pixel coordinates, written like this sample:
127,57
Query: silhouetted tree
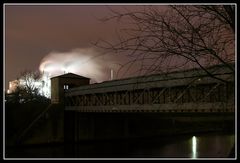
181,36
27,90
28,80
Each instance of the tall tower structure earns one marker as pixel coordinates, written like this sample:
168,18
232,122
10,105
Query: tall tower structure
66,81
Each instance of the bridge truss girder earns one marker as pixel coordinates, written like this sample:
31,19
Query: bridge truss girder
143,98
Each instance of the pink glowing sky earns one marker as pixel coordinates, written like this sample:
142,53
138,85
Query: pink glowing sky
32,32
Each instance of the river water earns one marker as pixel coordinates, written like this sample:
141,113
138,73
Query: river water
190,146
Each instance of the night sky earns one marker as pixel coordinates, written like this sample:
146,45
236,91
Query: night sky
34,31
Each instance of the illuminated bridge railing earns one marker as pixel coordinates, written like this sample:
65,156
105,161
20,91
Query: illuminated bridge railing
179,92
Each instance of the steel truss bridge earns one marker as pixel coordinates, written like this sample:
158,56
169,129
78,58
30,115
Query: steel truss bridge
180,91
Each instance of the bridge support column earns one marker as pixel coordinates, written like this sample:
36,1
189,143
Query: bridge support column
125,127
174,125
92,127
69,133
54,127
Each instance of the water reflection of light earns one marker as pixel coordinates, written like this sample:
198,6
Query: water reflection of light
194,147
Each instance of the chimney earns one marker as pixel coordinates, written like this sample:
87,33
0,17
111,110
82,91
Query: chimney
111,74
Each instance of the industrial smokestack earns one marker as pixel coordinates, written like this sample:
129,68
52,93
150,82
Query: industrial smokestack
111,74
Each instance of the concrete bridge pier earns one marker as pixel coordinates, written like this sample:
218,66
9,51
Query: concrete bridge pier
81,126
126,128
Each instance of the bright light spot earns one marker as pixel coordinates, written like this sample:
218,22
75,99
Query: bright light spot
45,85
65,87
8,91
22,82
194,147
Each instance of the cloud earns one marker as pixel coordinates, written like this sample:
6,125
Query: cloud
85,62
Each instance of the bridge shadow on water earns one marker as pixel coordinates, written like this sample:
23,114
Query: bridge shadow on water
204,145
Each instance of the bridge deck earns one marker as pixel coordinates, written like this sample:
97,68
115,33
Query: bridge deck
185,107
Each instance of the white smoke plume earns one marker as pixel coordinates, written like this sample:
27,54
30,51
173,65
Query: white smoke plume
84,62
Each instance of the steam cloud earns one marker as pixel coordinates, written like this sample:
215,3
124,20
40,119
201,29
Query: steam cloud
84,62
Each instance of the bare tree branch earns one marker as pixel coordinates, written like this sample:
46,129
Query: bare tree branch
181,36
